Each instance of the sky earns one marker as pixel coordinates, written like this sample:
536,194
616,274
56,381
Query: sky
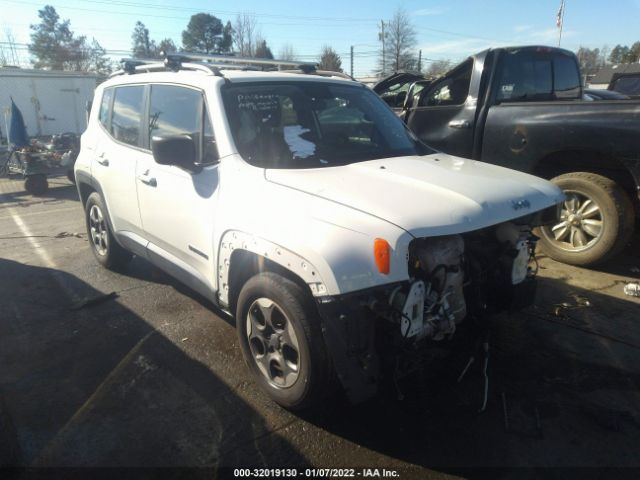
450,30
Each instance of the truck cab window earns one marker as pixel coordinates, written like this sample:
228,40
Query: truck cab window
566,78
524,76
452,90
534,75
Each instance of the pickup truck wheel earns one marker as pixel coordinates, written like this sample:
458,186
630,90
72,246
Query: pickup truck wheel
279,333
103,245
595,223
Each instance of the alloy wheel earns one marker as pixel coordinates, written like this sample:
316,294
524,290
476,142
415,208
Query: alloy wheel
580,225
98,230
273,343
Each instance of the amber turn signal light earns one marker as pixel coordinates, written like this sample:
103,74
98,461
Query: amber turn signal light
382,255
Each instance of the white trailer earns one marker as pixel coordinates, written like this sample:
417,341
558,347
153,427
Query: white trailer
51,102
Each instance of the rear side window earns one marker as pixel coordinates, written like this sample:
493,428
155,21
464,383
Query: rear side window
525,76
566,78
530,75
127,114
105,105
180,111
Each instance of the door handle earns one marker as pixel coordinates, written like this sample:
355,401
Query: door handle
103,161
151,181
459,124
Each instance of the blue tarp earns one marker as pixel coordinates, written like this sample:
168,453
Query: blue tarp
17,134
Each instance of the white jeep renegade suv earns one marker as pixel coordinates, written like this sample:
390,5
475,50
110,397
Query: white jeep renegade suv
302,205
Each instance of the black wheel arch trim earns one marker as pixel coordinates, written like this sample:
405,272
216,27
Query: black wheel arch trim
83,178
349,329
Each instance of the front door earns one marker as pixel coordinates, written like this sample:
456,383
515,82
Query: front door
444,117
178,205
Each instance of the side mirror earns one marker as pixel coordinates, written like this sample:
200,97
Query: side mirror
179,150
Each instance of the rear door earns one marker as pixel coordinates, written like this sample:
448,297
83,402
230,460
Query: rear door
117,151
531,108
445,113
178,206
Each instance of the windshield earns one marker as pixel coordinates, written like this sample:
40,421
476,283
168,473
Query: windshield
313,124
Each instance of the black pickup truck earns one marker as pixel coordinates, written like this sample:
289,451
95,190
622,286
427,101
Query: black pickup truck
522,108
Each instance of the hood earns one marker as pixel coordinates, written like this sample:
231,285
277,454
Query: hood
426,196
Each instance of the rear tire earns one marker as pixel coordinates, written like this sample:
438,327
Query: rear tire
279,332
104,246
596,224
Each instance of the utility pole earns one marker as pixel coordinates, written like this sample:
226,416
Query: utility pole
384,56
419,61
351,60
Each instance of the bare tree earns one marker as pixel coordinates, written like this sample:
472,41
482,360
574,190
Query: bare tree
8,52
287,52
400,42
589,59
245,33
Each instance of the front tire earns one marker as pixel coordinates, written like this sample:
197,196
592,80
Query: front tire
595,224
279,332
104,246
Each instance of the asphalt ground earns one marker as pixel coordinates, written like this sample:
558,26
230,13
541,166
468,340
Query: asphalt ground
152,376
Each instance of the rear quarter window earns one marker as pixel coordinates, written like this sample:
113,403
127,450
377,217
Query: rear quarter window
105,107
127,114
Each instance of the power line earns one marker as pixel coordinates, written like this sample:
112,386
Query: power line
173,17
313,19
226,12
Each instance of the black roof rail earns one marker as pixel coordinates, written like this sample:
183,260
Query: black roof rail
215,63
132,66
223,60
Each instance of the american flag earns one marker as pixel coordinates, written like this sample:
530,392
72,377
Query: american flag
559,17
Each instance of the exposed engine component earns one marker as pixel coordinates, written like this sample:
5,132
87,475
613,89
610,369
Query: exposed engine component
453,275
518,238
434,303
497,267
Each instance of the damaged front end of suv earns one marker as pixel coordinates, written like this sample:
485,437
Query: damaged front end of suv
384,331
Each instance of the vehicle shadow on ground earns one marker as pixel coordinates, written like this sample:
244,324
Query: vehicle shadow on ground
100,387
14,194
142,269
570,395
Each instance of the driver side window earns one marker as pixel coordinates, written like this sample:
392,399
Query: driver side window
452,90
